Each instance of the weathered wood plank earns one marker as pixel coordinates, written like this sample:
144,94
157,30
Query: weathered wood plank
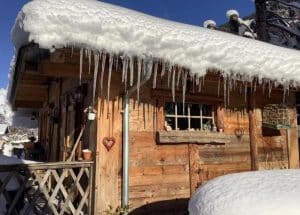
193,137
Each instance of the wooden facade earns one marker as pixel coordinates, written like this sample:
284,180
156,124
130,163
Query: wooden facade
165,167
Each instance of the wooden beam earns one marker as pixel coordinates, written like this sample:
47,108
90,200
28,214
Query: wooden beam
189,97
252,131
61,70
292,140
32,93
33,77
28,104
198,137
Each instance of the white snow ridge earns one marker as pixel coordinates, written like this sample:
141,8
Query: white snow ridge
273,192
102,27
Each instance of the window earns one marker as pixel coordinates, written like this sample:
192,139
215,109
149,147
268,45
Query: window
188,116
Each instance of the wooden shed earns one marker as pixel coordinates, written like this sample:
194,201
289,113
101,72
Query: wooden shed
161,130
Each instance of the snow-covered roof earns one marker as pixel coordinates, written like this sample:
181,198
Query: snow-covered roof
273,192
100,26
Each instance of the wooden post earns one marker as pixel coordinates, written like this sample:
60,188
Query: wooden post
252,131
220,117
292,141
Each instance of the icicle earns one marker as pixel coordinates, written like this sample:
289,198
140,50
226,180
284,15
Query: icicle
200,86
126,72
229,84
197,80
96,60
123,68
80,69
178,76
86,52
149,66
169,75
111,57
131,65
102,69
90,60
254,85
184,82
163,69
144,67
263,87
173,84
117,63
155,74
72,51
240,88
270,88
234,83
228,92
246,89
224,88
193,82
139,71
219,83
284,94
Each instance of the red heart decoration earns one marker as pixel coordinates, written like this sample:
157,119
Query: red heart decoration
109,142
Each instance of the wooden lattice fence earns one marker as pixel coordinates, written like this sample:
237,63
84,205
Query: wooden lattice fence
46,188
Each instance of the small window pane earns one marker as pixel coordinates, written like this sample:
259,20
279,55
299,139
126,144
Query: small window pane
196,124
180,109
195,109
170,121
206,110
183,124
207,124
170,108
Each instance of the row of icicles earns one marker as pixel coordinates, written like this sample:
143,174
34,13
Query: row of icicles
145,65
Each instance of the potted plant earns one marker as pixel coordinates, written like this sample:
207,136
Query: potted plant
87,154
91,113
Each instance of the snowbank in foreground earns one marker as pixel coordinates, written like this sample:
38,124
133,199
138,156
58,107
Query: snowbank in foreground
274,192
100,26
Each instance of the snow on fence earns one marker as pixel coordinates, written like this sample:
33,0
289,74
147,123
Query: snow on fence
46,188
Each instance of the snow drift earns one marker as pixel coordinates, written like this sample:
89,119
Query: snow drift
273,192
99,26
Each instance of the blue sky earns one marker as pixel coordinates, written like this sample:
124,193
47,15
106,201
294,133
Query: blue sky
189,11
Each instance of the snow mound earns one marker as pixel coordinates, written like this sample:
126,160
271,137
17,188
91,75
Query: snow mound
209,22
273,192
95,25
230,13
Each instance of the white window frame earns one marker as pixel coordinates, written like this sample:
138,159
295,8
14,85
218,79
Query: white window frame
188,116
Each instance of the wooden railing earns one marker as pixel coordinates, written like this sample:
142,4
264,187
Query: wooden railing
46,188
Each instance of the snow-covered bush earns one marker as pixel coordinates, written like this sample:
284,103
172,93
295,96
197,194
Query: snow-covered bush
273,192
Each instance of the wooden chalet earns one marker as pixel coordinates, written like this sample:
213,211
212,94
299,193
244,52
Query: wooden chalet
181,131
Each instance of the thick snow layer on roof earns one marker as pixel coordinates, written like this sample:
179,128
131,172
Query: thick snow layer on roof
274,192
100,26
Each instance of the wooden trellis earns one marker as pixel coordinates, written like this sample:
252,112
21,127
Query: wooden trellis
47,188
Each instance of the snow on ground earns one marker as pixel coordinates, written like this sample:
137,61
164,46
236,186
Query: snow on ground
273,192
100,26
